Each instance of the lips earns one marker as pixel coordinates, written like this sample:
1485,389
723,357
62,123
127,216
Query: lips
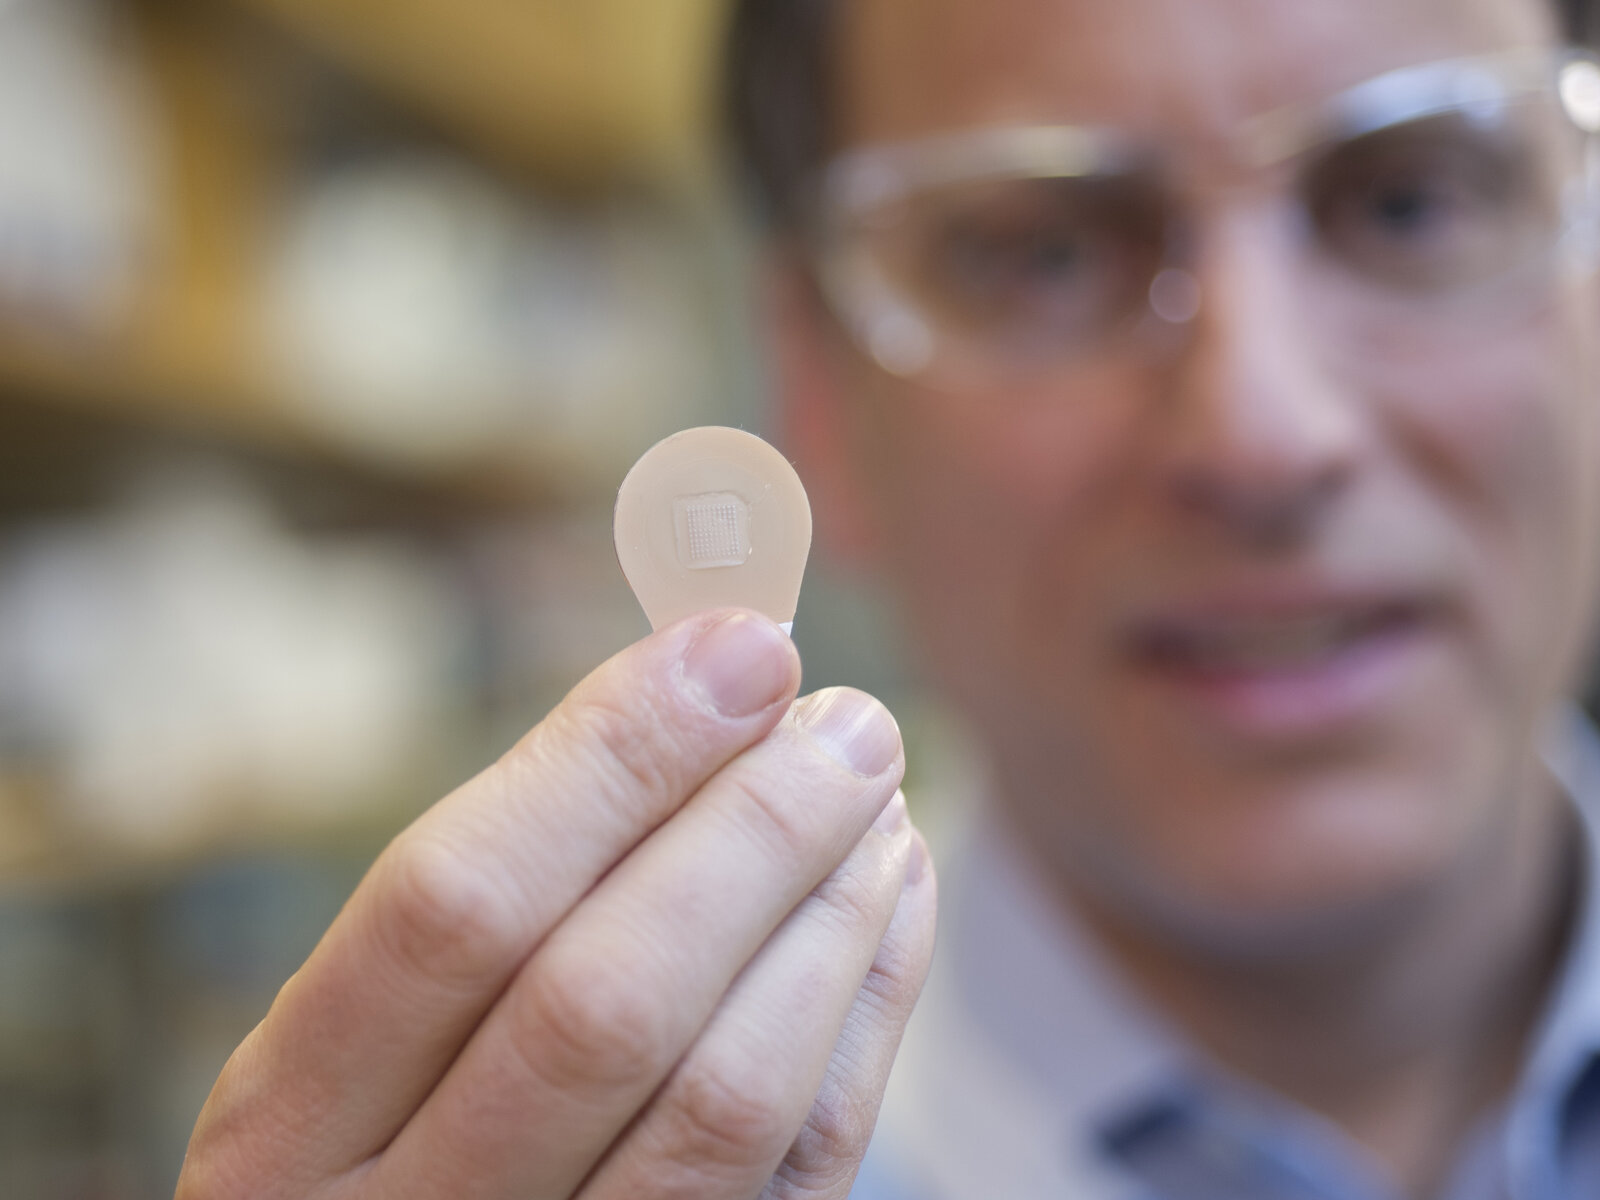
1249,644
1276,665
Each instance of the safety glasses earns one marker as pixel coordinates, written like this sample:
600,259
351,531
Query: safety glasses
1433,194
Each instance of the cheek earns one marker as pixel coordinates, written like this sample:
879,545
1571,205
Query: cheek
1498,438
983,496
1053,452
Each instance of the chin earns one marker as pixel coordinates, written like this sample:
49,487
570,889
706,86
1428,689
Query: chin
1283,894
1281,863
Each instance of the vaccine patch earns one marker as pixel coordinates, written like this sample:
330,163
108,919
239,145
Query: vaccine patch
713,518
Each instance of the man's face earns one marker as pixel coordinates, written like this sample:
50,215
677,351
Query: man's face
1258,631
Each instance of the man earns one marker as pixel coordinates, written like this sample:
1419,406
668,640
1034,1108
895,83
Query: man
1215,381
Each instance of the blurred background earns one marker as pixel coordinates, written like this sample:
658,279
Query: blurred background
327,330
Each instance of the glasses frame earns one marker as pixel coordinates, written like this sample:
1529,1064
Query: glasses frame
863,182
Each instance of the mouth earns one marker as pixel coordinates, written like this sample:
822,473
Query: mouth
1267,645
1302,668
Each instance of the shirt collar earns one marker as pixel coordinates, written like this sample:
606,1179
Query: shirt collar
1572,1019
1568,1037
1023,1041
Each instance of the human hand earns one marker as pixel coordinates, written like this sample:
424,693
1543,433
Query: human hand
665,947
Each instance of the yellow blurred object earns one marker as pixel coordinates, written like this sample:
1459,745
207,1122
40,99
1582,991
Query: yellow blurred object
171,337
539,370
582,90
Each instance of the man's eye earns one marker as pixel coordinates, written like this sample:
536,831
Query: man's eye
1033,281
999,258
1420,212
1419,203
1053,255
1410,208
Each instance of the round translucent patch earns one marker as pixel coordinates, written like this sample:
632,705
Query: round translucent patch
713,517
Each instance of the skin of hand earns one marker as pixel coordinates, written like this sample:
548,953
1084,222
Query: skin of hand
664,947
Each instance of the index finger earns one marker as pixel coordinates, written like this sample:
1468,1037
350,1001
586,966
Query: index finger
457,902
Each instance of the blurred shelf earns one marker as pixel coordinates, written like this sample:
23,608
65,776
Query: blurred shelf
187,352
48,847
38,858
64,442
126,383
182,355
582,91
179,309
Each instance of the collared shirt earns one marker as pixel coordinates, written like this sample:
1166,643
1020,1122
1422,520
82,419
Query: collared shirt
1030,1070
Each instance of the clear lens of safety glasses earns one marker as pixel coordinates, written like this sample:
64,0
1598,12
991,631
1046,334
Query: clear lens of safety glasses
1447,203
1006,253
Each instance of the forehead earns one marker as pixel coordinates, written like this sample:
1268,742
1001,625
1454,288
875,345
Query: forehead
912,67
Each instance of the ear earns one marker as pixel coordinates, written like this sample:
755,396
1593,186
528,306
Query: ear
817,424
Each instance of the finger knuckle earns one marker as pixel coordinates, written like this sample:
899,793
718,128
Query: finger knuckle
831,1142
445,917
242,1144
628,750
768,808
898,969
210,1169
592,1020
227,1174
856,897
206,1176
895,977
728,1114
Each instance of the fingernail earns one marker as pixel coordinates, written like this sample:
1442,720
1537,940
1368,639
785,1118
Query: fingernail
893,818
741,665
853,728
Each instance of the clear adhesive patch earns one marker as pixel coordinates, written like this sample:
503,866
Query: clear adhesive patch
712,517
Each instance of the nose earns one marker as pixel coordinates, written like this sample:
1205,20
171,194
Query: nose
1258,439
